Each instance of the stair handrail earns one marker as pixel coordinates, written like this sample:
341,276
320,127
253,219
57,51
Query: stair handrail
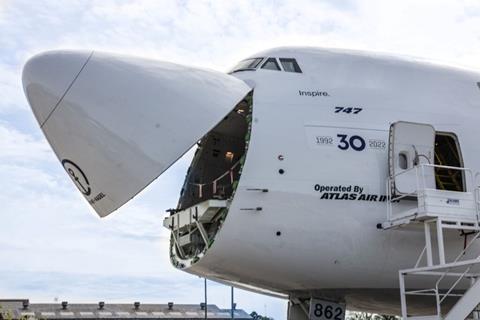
472,176
459,256
421,256
476,197
477,174
423,165
477,234
462,276
390,184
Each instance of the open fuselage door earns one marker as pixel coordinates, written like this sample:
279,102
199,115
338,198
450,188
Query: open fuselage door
411,144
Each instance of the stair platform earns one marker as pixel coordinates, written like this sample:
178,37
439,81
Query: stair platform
447,222
202,212
456,210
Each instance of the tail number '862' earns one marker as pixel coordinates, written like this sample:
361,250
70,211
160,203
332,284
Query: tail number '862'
354,142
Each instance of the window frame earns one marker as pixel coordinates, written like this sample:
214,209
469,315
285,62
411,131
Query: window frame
296,66
254,68
269,59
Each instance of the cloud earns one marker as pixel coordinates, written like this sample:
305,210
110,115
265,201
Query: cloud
12,98
53,240
21,147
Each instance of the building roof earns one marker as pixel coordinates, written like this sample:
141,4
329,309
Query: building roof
21,308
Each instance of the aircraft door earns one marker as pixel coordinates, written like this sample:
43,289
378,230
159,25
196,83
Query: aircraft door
411,144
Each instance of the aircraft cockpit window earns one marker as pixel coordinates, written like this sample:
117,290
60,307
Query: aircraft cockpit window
271,64
247,64
290,65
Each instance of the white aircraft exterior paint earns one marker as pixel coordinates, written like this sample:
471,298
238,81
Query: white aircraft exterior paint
333,244
86,102
317,231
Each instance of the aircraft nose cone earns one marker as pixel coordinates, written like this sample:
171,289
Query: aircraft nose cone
117,122
48,76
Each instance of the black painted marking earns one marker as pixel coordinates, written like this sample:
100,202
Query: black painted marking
78,177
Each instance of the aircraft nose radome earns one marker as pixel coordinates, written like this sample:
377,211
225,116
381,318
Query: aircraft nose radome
117,122
47,77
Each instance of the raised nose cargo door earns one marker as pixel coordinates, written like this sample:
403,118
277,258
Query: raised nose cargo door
116,123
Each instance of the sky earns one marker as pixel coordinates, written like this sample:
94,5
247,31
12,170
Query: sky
52,244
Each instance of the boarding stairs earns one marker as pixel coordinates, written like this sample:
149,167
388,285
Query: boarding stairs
451,286
446,178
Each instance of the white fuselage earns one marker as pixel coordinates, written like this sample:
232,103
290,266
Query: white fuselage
302,239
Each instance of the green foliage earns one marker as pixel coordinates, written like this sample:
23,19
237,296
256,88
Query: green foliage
257,316
8,315
369,316
5,314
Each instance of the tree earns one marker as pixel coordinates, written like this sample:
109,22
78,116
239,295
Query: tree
370,316
257,316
